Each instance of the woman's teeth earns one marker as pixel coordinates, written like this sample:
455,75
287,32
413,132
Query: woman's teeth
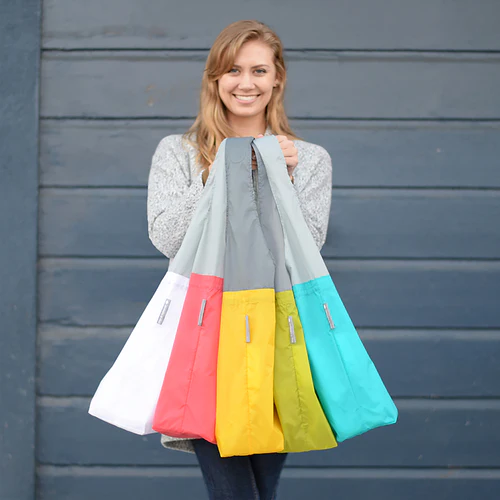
246,98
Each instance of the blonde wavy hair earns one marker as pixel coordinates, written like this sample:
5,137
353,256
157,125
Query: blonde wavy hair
211,126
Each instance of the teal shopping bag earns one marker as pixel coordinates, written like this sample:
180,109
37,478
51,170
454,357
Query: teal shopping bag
347,382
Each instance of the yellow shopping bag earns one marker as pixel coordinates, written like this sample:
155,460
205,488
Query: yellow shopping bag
246,421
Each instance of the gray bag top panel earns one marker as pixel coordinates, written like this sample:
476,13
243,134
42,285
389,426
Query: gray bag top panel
248,262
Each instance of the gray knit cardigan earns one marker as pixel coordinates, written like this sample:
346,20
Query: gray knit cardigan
174,189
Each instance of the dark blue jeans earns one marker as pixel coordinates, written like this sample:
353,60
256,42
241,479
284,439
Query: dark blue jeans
254,477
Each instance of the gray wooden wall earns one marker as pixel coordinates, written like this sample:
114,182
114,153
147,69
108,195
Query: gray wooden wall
19,73
404,96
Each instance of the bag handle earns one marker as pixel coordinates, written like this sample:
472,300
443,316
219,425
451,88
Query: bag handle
305,263
271,224
248,263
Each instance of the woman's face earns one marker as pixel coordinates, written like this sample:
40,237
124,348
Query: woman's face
247,88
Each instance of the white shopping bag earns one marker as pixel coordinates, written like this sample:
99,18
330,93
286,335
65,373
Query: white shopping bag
127,395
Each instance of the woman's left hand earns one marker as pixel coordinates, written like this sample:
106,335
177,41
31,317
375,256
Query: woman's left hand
290,152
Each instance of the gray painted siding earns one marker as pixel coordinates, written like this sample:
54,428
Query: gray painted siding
19,121
348,85
404,97
358,24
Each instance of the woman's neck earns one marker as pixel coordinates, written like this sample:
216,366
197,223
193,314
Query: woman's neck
248,127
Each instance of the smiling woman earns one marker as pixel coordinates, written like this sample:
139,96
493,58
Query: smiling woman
242,95
247,87
242,92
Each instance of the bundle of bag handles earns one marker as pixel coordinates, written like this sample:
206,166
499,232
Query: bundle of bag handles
246,342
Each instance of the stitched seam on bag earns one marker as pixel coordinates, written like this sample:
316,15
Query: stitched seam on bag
248,398
346,373
274,190
332,336
317,289
302,416
206,219
307,288
257,212
190,378
209,289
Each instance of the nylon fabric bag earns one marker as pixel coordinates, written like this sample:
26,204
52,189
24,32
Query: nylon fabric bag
186,405
127,395
246,418
347,382
305,426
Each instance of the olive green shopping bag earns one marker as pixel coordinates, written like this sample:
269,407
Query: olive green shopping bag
305,426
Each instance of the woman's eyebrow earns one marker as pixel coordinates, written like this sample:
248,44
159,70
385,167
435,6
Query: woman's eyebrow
238,66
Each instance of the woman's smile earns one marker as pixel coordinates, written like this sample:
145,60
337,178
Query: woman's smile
246,99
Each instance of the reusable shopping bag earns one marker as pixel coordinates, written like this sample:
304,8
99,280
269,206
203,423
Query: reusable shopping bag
127,395
305,426
246,418
186,405
348,385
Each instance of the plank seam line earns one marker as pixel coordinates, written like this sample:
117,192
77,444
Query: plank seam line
315,118
293,51
339,259
376,188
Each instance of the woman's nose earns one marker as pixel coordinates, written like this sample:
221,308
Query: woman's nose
246,81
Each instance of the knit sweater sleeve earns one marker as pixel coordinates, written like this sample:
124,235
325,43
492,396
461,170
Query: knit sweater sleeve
314,190
172,196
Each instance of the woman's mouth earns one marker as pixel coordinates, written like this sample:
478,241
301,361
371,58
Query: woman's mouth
246,99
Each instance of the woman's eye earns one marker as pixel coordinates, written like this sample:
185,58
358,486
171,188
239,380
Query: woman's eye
236,69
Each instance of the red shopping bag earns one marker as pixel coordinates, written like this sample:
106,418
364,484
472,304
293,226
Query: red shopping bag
186,405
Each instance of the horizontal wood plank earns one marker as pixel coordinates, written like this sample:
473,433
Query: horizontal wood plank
72,361
374,223
365,84
376,293
126,483
364,153
429,24
429,433
130,483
